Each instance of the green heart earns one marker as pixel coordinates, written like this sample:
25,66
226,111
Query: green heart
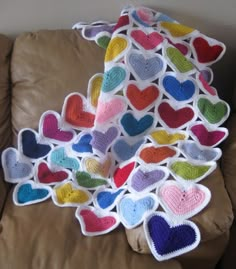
85,180
213,113
188,171
179,60
103,41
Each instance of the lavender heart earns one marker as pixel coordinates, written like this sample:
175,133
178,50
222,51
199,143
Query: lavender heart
102,141
92,31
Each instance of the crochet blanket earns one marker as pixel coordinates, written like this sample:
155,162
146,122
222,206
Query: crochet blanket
134,151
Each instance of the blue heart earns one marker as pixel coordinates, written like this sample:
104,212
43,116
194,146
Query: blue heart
168,239
146,69
83,144
113,79
27,194
105,198
31,148
133,211
135,127
126,151
164,17
180,91
59,157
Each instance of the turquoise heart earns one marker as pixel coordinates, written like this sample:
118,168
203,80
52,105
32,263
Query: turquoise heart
59,157
113,78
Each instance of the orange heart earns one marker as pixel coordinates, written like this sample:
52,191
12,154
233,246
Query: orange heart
75,114
156,155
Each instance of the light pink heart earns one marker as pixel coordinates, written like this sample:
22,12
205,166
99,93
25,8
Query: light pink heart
108,111
147,41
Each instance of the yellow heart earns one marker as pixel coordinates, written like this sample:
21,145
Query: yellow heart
177,30
94,89
164,138
116,46
66,194
95,167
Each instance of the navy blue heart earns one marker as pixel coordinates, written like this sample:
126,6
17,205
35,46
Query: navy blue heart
168,239
31,148
181,91
83,144
135,127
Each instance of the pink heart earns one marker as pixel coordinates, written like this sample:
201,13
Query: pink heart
108,111
181,47
206,86
51,129
208,138
145,15
182,202
147,41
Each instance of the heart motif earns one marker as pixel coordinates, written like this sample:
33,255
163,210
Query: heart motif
83,145
186,171
179,90
176,29
132,209
116,48
134,127
122,23
206,137
95,166
74,112
145,68
106,198
15,167
183,202
114,78
86,181
68,194
91,31
50,126
175,118
214,112
166,239
143,16
205,87
142,99
103,40
195,152
147,178
178,61
101,141
29,192
45,175
29,145
162,137
96,222
108,111
151,154
94,88
148,41
124,150
205,52
121,175
59,157
182,47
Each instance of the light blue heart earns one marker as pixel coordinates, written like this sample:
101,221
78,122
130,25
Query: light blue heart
113,79
59,157
133,211
105,198
125,151
164,17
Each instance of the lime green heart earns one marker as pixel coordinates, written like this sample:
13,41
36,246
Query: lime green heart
85,180
103,41
188,171
213,113
179,60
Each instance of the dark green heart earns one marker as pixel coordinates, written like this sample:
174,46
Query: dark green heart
213,113
103,41
85,180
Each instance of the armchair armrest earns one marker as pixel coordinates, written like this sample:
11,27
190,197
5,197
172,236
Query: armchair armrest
3,191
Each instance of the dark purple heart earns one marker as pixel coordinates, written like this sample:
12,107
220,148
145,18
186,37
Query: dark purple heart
141,180
168,239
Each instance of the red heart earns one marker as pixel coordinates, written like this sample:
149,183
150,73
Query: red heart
147,41
156,155
45,175
74,113
123,21
141,99
175,118
205,52
121,174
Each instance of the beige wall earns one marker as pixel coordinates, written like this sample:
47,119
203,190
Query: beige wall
216,18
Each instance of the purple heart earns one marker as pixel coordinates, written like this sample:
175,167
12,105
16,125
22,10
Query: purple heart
92,31
101,141
142,180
